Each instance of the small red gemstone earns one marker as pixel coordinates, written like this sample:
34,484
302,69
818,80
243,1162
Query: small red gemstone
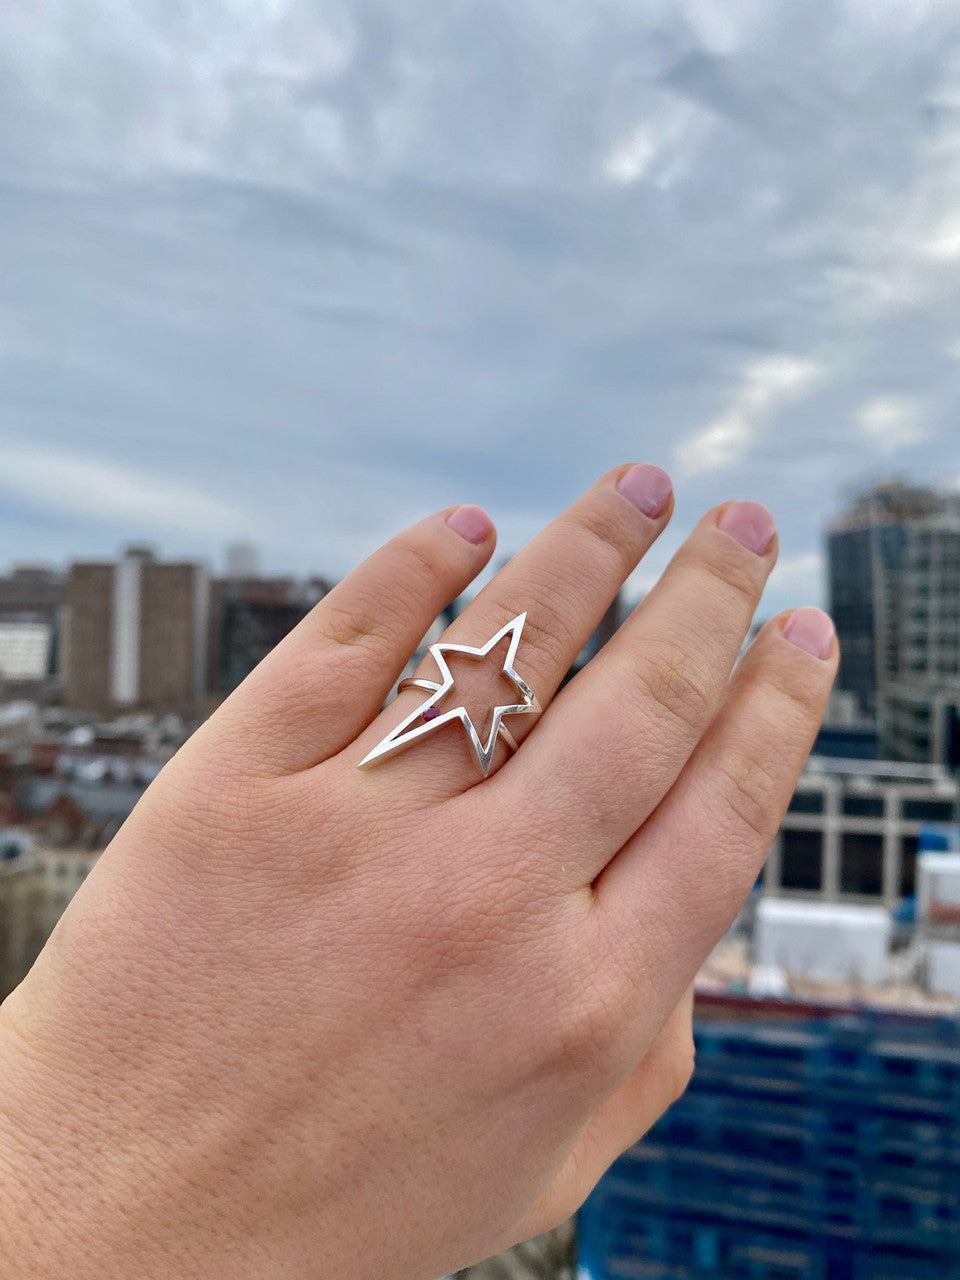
431,713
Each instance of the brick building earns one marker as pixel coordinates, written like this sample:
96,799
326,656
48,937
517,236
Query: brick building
135,634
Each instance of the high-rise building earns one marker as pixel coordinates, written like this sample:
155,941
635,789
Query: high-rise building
248,618
894,568
87,641
135,634
174,603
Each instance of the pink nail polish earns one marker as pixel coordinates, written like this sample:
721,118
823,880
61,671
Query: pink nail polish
647,487
812,630
471,523
751,524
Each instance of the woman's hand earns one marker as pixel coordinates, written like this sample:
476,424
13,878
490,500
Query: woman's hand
306,1020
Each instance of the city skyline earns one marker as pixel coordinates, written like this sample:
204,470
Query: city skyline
227,559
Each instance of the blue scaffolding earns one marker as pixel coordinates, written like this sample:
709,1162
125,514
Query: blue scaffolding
804,1149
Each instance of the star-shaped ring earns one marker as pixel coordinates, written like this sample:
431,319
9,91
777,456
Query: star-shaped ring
403,735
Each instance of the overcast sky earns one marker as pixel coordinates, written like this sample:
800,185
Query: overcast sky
302,272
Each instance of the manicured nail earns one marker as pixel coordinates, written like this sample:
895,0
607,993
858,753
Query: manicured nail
752,525
647,487
811,629
471,523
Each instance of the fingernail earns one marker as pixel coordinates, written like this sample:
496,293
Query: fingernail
471,523
647,487
752,525
811,629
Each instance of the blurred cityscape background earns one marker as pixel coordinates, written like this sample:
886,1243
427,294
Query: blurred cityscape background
819,1137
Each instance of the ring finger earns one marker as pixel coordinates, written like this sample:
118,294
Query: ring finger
635,714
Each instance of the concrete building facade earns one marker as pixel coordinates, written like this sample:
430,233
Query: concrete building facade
921,720
31,599
852,830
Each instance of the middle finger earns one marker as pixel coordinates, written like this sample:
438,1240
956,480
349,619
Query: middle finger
564,580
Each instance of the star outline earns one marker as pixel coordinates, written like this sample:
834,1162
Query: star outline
402,735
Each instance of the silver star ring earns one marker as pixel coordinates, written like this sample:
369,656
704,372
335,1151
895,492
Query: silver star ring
427,717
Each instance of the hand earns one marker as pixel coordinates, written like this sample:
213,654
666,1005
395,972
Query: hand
307,1020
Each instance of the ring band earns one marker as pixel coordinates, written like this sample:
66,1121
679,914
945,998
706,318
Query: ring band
427,717
412,682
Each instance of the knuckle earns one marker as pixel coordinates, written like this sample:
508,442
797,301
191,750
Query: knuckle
752,793
802,697
793,700
372,615
417,570
545,631
364,622
673,680
743,574
604,529
592,1040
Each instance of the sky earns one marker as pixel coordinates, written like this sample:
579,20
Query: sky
302,272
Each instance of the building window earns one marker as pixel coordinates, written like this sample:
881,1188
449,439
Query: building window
908,865
807,802
928,810
801,859
863,806
861,863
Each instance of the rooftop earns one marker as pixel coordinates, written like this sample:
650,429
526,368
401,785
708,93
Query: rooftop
882,770
894,501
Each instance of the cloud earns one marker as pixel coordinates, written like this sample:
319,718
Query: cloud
107,493
805,570
305,271
631,159
891,423
943,241
766,385
660,146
